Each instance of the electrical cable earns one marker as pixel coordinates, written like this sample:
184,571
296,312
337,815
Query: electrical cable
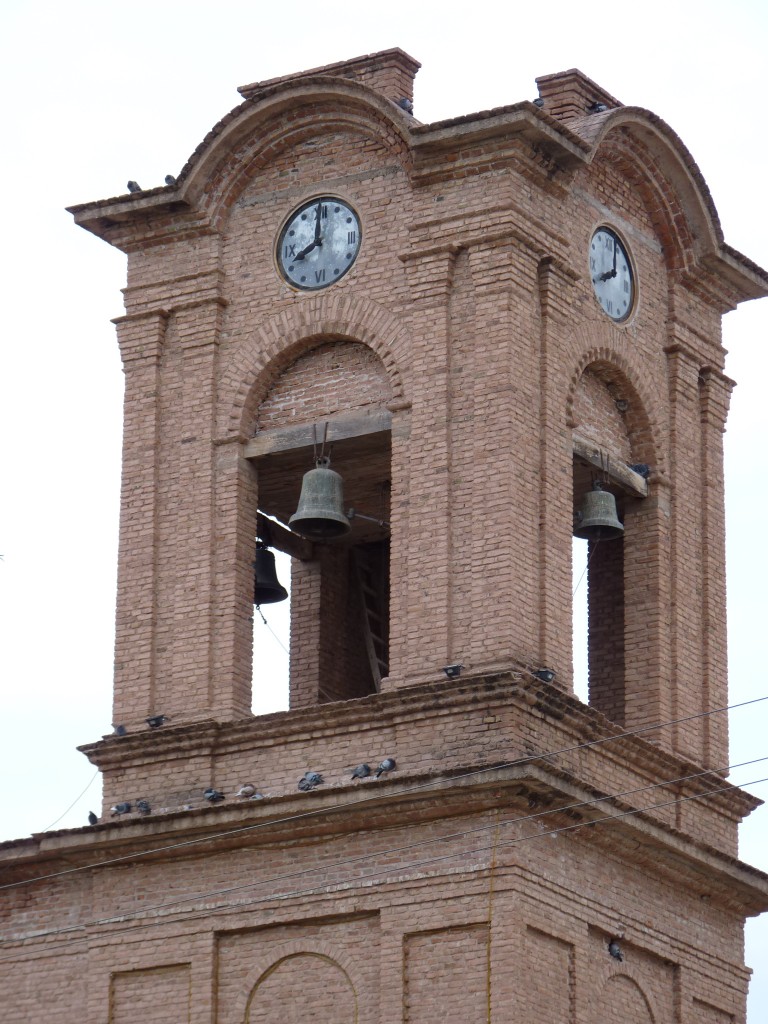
541,756
274,634
480,828
93,778
120,919
584,570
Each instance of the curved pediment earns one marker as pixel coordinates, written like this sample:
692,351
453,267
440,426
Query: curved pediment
657,163
259,130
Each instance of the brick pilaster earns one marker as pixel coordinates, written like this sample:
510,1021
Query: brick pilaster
141,338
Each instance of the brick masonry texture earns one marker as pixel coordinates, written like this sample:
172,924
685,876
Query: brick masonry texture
459,365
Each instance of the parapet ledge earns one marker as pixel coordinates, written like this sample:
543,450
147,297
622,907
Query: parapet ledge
382,71
579,726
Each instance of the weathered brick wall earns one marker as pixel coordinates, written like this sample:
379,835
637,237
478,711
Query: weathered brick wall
335,377
466,917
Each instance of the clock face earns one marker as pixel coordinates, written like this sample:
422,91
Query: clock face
611,271
319,243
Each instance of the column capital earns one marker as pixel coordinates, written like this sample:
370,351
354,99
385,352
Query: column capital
141,336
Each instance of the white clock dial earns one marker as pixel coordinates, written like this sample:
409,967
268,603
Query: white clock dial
610,269
319,243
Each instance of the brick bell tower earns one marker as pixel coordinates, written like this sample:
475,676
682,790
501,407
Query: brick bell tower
507,328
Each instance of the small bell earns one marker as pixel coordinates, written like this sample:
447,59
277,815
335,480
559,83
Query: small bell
319,515
267,588
597,519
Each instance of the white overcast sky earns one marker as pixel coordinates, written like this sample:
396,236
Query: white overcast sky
94,93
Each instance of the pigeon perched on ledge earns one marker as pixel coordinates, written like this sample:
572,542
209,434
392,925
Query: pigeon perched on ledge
387,765
361,772
309,780
213,796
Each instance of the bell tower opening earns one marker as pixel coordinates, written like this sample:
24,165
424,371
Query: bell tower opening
271,636
339,577
607,484
601,580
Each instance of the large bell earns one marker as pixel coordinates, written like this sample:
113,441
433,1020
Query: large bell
267,588
597,518
319,515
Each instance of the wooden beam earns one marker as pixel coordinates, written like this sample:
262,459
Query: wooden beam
618,472
277,536
340,426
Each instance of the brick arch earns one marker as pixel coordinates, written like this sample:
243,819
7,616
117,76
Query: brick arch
643,418
237,173
332,377
252,134
669,219
621,996
662,169
261,357
293,950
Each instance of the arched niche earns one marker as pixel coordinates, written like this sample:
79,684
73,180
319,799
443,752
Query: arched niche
303,987
623,1000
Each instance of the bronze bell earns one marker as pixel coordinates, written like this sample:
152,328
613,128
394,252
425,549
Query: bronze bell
267,588
597,519
319,515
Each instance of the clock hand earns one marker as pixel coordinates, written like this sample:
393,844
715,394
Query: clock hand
610,273
318,240
305,250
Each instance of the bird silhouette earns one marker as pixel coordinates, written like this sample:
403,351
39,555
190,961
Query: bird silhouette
170,180
387,765
213,796
361,772
121,808
92,819
134,186
143,806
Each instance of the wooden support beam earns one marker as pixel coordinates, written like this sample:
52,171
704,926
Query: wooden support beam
277,536
617,472
340,426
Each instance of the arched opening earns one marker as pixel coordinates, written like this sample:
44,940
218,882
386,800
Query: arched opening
607,485
333,399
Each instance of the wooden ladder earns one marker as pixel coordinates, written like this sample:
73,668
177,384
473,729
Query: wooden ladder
368,569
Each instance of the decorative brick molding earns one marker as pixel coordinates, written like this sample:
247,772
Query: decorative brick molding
247,375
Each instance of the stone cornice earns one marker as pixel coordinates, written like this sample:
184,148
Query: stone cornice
577,723
567,808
